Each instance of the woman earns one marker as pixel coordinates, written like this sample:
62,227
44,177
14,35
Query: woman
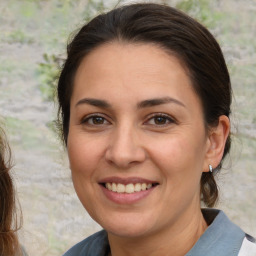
9,245
144,104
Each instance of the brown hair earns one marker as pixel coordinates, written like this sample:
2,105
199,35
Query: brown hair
8,218
175,32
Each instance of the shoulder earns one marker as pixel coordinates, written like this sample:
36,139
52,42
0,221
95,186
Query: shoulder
222,237
248,247
94,245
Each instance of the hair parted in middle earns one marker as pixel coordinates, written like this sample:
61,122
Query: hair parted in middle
176,33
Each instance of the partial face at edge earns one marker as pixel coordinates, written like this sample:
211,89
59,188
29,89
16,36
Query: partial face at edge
134,118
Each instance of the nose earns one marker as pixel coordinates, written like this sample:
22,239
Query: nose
125,149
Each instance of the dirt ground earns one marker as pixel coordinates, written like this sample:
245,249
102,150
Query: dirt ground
53,218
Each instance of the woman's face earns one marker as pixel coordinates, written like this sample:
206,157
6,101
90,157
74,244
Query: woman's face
137,126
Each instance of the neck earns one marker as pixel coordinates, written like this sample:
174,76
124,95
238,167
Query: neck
175,240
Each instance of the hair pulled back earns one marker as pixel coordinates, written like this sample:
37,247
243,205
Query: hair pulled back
173,31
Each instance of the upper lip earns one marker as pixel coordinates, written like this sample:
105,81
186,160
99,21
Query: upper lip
128,180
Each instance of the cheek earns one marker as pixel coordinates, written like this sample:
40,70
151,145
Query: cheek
180,160
83,158
176,151
181,165
83,154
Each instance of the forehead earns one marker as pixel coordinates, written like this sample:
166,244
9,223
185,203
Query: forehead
143,70
139,57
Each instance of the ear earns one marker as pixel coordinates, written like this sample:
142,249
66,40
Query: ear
217,138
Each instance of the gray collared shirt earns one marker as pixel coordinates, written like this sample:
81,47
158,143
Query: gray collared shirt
222,238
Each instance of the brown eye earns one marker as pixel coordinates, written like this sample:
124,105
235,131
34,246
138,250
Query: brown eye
95,120
160,120
98,120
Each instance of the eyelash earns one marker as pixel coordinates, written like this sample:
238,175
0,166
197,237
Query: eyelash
161,115
91,117
168,120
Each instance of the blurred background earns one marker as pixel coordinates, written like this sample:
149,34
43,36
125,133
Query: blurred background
33,38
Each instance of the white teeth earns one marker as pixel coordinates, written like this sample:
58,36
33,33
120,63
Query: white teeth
120,188
143,186
114,188
137,187
109,186
129,188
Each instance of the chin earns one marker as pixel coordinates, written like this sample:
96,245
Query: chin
128,231
129,226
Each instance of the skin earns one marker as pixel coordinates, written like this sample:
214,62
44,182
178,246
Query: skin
165,142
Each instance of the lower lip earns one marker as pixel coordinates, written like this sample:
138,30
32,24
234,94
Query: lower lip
126,198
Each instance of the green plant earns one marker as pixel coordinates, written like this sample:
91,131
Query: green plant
18,36
201,10
48,71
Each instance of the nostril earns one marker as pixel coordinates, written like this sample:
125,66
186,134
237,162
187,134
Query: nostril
124,153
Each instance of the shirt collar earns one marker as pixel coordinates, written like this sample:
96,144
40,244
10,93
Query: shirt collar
222,237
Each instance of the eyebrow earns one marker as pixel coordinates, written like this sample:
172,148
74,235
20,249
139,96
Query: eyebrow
142,104
94,102
158,101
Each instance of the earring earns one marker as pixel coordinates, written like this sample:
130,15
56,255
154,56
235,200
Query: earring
210,168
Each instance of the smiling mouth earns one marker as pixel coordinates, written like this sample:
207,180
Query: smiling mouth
129,188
